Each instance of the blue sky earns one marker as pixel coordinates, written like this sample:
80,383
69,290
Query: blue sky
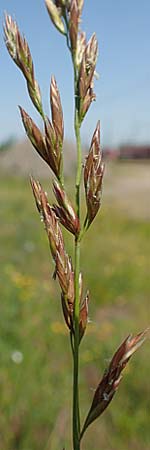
123,88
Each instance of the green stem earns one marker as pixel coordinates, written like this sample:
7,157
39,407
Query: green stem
79,162
61,176
76,424
76,409
75,346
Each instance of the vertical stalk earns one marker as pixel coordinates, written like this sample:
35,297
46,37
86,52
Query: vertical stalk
79,162
76,425
76,410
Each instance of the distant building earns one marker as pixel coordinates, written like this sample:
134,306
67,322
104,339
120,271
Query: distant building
134,152
127,152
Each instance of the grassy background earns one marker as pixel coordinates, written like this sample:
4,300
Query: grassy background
36,391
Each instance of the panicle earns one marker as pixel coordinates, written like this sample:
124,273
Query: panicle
19,51
112,377
93,176
65,211
55,11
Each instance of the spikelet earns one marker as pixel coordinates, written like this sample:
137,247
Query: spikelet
112,377
19,51
86,76
93,176
65,211
55,15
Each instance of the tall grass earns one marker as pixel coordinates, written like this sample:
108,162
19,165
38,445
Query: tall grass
66,213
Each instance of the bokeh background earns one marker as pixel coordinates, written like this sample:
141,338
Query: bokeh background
35,368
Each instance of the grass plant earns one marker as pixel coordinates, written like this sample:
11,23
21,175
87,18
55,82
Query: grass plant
66,211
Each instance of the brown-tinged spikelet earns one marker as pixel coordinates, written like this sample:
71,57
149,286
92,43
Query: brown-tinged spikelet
112,377
86,76
19,51
65,211
93,176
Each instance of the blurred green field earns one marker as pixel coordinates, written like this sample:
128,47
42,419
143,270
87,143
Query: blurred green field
35,369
